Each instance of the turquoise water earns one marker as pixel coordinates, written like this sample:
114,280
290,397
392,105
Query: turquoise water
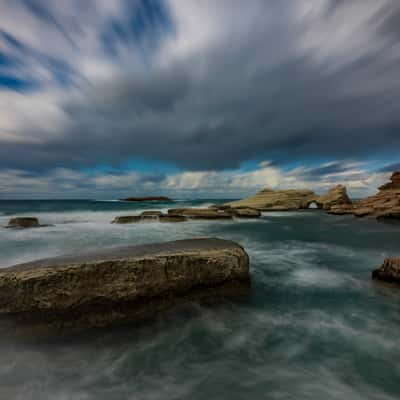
314,327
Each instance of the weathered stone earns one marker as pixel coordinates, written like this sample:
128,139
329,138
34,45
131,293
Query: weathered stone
390,215
362,211
336,196
293,199
71,293
152,213
270,200
23,222
341,209
384,205
244,212
126,219
200,213
172,218
389,271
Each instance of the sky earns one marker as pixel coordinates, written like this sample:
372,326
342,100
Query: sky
188,98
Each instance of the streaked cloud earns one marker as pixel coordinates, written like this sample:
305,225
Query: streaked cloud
204,86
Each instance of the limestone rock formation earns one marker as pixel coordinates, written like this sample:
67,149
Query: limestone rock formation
293,199
23,222
385,205
389,271
336,196
270,200
71,293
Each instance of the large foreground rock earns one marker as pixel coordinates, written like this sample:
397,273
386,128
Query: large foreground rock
389,271
293,199
71,293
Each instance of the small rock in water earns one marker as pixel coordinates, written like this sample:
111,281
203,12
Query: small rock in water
23,222
389,271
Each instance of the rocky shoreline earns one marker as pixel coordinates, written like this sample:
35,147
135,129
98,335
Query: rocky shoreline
126,284
384,206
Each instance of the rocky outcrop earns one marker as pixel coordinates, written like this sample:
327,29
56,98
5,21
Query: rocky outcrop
172,218
341,209
270,200
148,216
200,213
389,271
244,212
385,205
389,215
148,198
335,197
23,222
70,293
292,199
126,219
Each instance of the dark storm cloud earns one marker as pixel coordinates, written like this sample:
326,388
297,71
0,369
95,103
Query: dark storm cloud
280,85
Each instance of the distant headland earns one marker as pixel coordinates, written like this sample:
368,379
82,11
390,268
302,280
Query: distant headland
147,198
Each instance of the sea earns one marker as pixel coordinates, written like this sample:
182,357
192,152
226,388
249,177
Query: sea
315,326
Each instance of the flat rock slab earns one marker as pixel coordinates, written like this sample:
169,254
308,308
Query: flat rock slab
72,293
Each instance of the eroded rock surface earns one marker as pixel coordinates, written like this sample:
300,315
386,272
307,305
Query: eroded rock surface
335,197
385,205
200,213
293,199
389,271
120,284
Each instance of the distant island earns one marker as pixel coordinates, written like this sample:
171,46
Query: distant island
148,198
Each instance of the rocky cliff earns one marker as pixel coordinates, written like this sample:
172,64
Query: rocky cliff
385,205
292,199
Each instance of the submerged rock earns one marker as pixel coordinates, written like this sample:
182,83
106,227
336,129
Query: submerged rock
23,222
389,271
71,293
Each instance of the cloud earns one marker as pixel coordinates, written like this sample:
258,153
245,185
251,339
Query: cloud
203,85
69,183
